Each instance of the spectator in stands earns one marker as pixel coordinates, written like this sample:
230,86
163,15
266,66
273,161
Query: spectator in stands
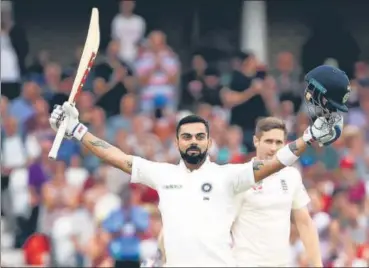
287,113
56,196
126,226
287,77
110,62
14,152
158,73
73,225
357,150
36,70
39,172
37,251
142,141
233,148
211,91
359,116
192,82
10,71
52,78
361,71
85,104
123,120
13,156
121,83
98,123
128,28
22,107
37,126
149,245
71,69
244,97
4,107
37,129
100,87
17,34
327,156
16,158
354,186
14,50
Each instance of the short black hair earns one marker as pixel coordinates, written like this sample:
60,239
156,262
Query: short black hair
189,119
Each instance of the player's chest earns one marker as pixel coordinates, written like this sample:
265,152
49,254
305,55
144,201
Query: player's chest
272,192
194,191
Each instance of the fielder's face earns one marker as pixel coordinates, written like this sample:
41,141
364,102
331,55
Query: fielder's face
269,143
193,142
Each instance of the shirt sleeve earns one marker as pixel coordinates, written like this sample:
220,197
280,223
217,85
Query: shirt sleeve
300,196
146,172
242,177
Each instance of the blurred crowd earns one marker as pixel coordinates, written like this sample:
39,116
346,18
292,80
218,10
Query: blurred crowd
65,212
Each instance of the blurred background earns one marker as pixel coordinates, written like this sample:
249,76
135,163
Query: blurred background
159,61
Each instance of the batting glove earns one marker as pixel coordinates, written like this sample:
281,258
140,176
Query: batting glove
322,133
69,113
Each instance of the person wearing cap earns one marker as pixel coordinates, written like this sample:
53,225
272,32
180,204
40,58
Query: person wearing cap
202,191
261,230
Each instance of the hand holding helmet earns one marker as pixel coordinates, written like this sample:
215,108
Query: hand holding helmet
328,90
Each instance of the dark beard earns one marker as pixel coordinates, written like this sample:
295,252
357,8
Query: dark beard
193,159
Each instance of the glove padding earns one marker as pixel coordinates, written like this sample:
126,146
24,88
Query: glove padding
60,113
323,134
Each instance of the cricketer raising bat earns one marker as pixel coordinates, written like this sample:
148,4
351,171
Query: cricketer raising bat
85,64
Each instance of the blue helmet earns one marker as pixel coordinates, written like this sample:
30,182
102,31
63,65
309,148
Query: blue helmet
328,88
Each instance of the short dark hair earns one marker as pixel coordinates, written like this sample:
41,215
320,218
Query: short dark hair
189,119
269,123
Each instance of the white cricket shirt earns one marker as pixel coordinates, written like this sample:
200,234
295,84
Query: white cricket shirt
197,208
261,230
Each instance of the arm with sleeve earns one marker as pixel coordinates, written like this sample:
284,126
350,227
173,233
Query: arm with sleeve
242,177
146,172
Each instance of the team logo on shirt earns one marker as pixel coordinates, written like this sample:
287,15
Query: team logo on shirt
206,187
284,186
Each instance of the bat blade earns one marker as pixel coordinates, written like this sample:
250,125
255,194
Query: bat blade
86,62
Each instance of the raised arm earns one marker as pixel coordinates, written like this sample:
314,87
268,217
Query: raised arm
102,149
141,170
244,176
107,152
234,95
321,131
292,151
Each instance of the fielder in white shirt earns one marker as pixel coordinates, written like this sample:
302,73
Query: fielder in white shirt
261,230
196,195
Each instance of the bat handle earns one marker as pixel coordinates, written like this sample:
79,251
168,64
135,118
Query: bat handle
58,139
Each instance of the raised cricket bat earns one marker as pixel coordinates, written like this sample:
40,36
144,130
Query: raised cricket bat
85,64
